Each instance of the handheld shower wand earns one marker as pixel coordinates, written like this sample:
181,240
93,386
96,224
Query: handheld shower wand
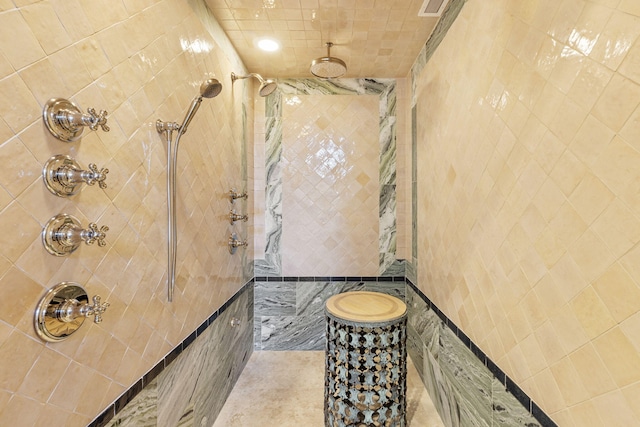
208,89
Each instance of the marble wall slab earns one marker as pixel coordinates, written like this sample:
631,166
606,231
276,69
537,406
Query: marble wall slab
289,315
142,411
466,387
194,386
203,377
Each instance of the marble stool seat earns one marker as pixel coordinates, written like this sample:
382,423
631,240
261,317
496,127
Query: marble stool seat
366,360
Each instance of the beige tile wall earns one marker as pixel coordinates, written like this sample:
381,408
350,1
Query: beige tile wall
529,208
330,180
403,170
141,60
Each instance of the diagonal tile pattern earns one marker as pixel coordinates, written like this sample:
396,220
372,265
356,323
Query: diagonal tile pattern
140,61
330,153
528,197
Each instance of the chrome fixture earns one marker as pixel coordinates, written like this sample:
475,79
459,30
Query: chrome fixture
328,67
266,86
66,122
233,217
63,234
62,311
234,243
63,176
233,195
208,89
235,322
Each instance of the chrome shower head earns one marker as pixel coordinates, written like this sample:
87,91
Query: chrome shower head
266,86
208,89
328,67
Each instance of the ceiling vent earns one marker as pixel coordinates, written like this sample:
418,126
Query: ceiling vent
432,8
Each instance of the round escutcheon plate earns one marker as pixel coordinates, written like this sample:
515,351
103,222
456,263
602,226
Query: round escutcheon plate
47,321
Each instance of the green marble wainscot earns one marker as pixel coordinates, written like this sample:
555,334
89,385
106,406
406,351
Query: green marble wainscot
289,315
142,411
507,410
464,391
423,336
193,387
202,377
471,380
442,392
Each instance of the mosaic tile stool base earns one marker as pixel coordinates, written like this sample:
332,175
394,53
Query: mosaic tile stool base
366,361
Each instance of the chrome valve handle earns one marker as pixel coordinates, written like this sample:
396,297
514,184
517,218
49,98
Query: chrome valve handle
233,195
63,234
94,175
94,120
71,309
93,234
234,243
63,176
66,122
96,309
233,217
63,309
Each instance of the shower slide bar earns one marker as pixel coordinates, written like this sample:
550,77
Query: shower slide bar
208,89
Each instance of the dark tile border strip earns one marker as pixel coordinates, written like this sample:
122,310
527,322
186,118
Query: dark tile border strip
510,385
126,397
329,279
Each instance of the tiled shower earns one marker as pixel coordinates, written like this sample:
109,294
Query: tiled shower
495,188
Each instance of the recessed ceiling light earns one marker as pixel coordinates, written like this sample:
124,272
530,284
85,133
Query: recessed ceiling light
268,45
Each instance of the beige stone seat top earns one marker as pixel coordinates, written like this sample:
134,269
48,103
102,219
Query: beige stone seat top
362,306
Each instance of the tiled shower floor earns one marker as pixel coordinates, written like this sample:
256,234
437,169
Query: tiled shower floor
285,389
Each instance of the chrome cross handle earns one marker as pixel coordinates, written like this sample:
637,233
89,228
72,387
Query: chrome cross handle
71,309
66,122
233,195
233,217
234,243
63,176
96,309
94,120
63,234
94,175
93,234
